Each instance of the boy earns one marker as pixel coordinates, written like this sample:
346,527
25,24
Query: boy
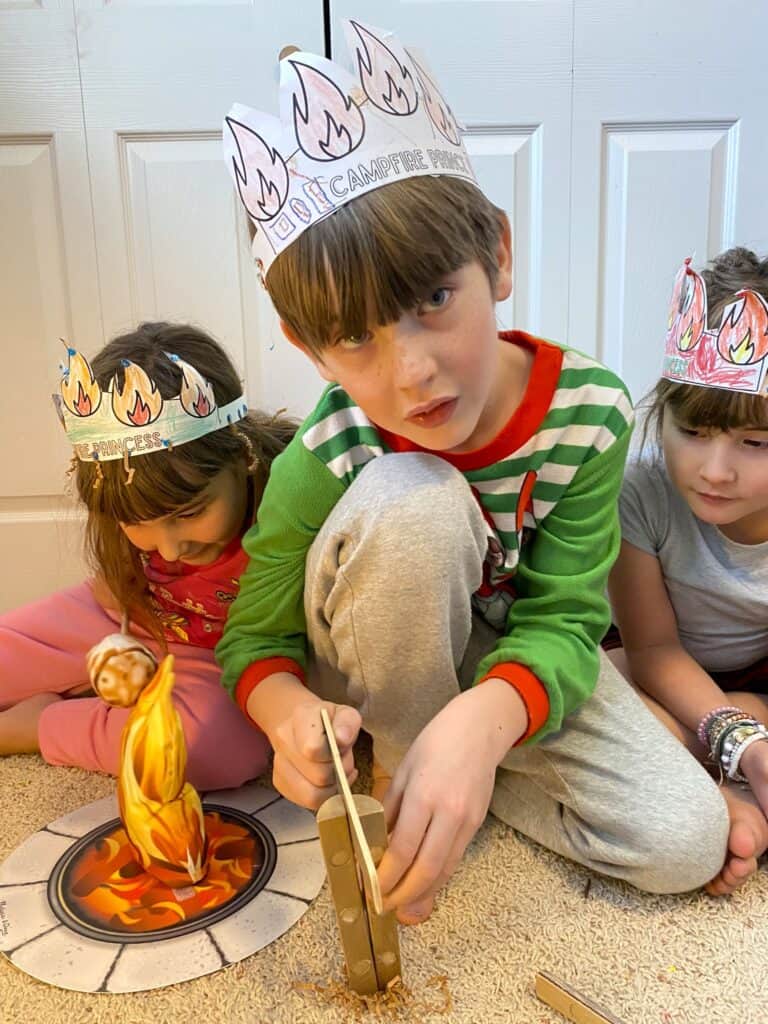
447,514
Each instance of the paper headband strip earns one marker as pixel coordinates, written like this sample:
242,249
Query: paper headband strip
339,136
136,419
731,356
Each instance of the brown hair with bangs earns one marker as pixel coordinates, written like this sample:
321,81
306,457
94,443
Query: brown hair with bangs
715,408
377,257
166,481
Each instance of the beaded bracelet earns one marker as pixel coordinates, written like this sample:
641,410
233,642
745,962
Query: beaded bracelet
703,726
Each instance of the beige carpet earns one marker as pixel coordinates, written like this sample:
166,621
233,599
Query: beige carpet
512,909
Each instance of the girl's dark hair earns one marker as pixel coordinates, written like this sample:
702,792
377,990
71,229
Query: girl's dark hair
165,481
715,408
378,255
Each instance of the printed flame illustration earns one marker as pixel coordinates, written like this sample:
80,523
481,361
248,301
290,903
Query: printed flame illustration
108,888
743,334
196,393
331,125
140,402
387,83
439,112
161,812
264,193
81,393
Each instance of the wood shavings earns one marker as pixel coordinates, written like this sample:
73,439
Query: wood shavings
396,1002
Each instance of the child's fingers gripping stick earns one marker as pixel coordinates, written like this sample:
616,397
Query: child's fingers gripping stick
311,744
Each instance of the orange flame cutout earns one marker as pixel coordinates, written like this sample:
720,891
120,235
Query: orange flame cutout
743,334
264,194
161,812
387,83
439,112
196,393
692,304
333,125
140,402
81,393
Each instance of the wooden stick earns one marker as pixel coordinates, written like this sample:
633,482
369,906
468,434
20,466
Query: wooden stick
570,1003
365,861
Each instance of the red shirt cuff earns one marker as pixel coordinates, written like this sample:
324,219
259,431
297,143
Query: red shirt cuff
259,670
531,690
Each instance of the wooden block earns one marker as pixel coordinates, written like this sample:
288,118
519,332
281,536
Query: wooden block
351,913
383,927
570,1003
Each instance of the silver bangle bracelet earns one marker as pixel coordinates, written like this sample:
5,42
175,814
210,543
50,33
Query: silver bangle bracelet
760,733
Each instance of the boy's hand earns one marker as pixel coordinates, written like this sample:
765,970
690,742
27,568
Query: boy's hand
290,716
303,768
440,794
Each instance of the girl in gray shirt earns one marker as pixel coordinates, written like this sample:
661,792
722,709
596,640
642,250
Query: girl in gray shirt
690,587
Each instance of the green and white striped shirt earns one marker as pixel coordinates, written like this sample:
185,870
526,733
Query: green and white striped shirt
548,485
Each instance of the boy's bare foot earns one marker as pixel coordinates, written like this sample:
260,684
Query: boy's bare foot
747,840
18,724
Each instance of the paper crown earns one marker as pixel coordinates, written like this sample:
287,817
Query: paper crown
731,356
119,423
339,136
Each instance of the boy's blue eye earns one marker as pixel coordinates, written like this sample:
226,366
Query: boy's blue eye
436,300
761,444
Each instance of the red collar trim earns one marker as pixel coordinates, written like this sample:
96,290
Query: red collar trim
524,422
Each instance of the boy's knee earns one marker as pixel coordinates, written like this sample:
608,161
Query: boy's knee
419,496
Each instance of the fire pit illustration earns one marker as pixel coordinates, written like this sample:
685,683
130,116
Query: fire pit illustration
156,886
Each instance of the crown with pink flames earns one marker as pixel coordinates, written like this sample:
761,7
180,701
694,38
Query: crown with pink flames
339,135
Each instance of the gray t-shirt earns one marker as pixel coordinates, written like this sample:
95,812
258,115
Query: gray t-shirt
718,588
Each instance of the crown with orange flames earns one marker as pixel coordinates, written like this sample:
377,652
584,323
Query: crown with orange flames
732,356
339,136
134,419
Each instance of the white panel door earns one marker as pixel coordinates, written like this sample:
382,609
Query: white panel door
158,77
47,289
669,155
505,69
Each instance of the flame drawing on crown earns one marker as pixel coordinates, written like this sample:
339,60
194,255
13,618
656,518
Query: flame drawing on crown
439,112
388,84
139,403
79,390
196,395
265,192
328,123
731,356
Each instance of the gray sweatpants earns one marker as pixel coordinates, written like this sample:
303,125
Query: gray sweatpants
388,600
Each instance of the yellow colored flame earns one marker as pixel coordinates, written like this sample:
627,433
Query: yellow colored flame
686,338
161,812
744,351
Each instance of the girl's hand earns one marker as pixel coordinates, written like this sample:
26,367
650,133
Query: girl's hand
754,764
440,794
303,769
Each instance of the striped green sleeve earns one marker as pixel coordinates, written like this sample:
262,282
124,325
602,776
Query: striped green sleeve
561,612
